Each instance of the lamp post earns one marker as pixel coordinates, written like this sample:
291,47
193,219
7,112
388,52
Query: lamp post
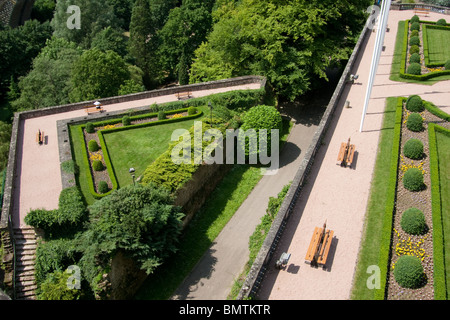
131,171
210,108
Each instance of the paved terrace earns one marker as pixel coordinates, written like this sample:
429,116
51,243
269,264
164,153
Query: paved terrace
38,177
339,195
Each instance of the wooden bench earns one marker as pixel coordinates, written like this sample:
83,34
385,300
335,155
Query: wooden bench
346,153
92,109
423,11
40,137
319,246
183,95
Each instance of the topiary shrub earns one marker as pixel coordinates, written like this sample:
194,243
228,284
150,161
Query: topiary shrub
413,149
126,121
90,127
414,33
93,146
413,221
414,103
413,179
415,26
408,272
414,68
103,187
414,49
161,115
414,41
192,111
415,122
441,22
415,58
447,65
97,165
414,19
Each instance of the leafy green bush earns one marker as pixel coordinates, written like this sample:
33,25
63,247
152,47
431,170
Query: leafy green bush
103,187
126,121
447,65
408,272
414,49
413,149
97,165
414,41
414,19
414,103
221,113
90,128
414,33
69,166
192,111
55,287
414,68
415,26
413,221
93,146
415,58
415,122
161,115
413,179
441,22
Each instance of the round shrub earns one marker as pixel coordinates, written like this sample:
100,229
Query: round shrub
414,33
97,165
415,26
126,121
441,22
414,122
447,65
413,221
414,49
90,127
103,187
414,19
413,149
415,58
93,146
414,68
414,103
408,272
161,115
413,179
192,111
414,41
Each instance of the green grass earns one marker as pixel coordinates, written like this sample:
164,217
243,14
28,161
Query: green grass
379,196
438,45
201,232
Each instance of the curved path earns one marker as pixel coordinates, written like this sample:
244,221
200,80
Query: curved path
339,195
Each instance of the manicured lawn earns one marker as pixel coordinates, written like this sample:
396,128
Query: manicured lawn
438,45
137,148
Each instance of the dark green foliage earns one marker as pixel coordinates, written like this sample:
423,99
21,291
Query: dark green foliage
441,22
140,221
192,111
415,122
413,180
414,33
414,103
222,113
415,58
408,272
447,65
90,127
93,146
5,139
103,187
415,26
161,115
97,165
414,49
414,68
413,149
126,121
413,221
43,10
414,19
414,41
69,166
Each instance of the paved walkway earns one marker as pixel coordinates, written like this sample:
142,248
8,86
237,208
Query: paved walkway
38,179
339,195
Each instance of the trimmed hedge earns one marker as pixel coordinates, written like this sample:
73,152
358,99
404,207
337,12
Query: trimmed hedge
415,26
415,122
414,103
93,146
447,65
413,179
413,149
415,18
408,272
414,58
413,221
441,22
103,187
414,69
97,165
90,128
414,49
414,41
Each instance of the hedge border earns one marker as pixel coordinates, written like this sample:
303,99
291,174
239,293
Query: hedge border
440,287
104,147
402,72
